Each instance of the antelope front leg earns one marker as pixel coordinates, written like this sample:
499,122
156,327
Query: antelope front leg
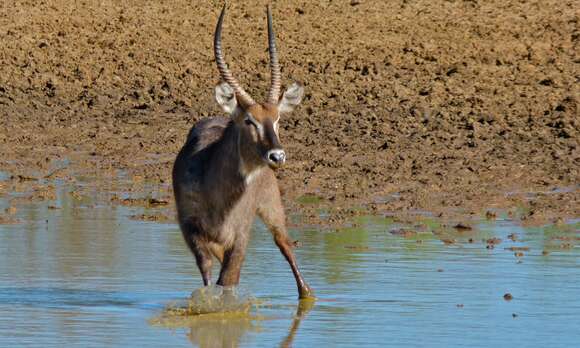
271,211
285,246
232,265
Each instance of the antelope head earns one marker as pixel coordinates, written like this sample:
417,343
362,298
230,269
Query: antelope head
257,122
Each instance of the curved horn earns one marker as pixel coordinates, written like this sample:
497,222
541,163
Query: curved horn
275,77
225,72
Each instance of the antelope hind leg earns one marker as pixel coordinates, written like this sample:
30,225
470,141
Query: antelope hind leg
199,249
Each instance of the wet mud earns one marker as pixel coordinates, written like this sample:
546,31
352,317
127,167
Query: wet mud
451,107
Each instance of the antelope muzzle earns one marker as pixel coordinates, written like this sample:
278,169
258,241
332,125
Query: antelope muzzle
275,156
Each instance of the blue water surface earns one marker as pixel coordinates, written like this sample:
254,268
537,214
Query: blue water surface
86,275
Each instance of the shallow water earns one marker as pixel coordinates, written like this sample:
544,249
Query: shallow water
87,275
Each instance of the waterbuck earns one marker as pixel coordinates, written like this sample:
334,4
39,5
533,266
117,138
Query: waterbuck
223,176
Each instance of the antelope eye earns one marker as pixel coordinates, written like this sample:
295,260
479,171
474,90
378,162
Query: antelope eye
249,122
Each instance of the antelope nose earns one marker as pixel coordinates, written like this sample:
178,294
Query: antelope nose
276,157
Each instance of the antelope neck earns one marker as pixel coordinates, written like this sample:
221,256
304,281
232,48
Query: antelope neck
232,165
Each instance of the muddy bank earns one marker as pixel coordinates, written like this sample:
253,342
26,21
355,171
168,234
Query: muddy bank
454,107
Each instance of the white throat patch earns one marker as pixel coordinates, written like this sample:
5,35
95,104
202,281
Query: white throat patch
251,176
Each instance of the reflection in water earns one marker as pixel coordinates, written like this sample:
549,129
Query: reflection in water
228,330
304,306
218,318
219,330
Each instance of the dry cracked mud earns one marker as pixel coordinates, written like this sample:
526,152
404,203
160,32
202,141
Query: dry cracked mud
450,107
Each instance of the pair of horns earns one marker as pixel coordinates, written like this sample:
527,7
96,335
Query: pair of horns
226,74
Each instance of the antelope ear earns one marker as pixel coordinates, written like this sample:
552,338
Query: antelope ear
291,98
226,97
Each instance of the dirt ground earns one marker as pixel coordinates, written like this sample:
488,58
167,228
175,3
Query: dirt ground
451,107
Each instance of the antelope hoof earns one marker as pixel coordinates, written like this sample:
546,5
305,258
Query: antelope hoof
306,293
